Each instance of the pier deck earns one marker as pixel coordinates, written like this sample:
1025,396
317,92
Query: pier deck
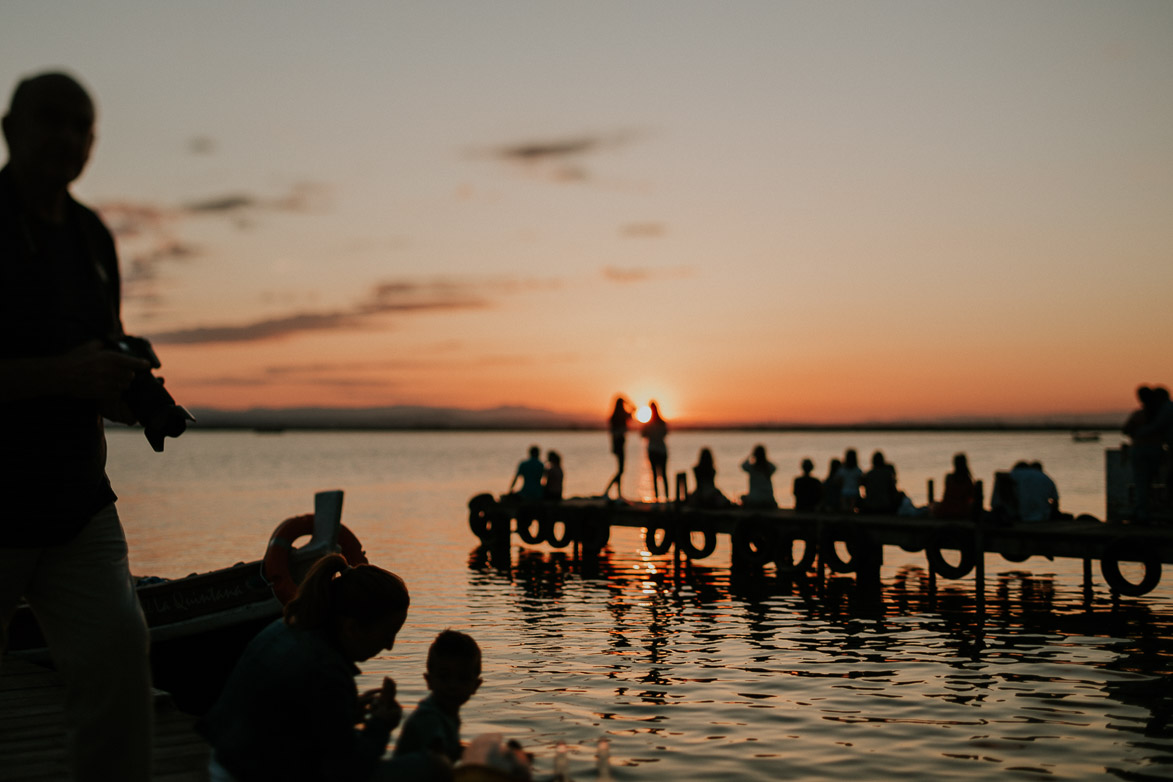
758,536
32,734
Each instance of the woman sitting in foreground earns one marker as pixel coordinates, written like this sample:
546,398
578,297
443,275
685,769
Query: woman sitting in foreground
289,710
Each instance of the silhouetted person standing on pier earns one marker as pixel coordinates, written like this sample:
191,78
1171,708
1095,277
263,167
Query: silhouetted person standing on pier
655,431
617,424
62,546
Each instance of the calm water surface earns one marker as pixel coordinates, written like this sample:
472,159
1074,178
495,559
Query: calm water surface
703,674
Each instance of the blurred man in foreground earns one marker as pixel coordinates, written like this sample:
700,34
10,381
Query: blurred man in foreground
62,546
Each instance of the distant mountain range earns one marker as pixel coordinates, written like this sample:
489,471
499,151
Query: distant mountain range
394,417
521,417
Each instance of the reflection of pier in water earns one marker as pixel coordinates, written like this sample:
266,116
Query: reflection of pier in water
785,617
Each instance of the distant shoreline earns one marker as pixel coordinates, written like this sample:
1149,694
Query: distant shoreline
862,427
518,418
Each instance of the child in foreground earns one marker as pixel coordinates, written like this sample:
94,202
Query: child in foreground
453,676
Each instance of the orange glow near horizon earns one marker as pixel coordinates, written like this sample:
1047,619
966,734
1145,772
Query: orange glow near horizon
810,392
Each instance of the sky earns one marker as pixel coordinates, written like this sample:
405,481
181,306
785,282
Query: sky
771,211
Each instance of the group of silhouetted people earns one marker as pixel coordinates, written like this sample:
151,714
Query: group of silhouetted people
846,489
1024,493
759,471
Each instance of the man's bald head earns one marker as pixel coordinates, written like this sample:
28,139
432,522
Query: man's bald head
49,129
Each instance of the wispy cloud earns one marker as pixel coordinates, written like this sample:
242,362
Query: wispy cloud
325,379
359,376
395,297
148,234
643,230
559,160
201,145
637,274
143,267
301,197
258,330
148,238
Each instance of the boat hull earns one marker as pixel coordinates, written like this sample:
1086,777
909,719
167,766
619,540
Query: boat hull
199,626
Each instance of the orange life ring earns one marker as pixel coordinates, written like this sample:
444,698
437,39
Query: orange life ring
276,563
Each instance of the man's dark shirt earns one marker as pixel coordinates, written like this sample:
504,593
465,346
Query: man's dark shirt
58,290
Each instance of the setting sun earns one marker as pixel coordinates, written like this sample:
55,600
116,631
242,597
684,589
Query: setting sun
643,414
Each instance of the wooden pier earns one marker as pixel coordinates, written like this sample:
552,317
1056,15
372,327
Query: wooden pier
32,733
844,543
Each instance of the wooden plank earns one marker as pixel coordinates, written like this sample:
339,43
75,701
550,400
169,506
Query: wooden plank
32,734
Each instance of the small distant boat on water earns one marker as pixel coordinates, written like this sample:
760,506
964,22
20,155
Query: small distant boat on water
1085,436
200,624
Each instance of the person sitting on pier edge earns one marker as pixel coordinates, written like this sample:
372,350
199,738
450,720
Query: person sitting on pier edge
453,676
1038,497
808,490
879,487
655,431
552,483
761,481
957,501
832,487
617,424
290,707
706,495
851,476
530,473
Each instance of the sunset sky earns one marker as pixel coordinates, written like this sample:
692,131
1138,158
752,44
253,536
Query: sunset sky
749,211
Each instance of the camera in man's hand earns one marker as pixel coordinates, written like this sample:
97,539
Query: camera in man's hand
148,400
